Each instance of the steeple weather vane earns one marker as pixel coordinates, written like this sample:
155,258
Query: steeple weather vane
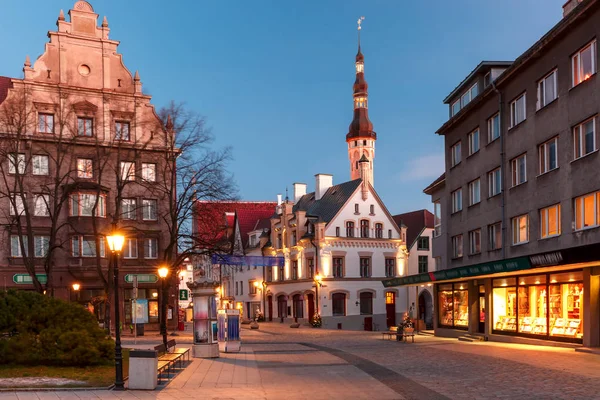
360,20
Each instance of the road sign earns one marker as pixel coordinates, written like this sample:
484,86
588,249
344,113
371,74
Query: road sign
25,279
141,278
183,294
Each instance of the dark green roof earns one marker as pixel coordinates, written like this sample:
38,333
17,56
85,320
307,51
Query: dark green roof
330,204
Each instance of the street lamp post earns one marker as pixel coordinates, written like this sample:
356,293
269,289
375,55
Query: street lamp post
115,244
163,272
76,287
318,284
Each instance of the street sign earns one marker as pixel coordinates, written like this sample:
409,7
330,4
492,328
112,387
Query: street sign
183,294
25,279
141,278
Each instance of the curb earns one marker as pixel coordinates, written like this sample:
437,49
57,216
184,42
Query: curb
55,389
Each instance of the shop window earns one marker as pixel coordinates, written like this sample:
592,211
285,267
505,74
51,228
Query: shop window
504,299
566,304
453,305
532,300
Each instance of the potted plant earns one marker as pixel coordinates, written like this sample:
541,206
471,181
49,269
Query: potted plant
407,324
316,321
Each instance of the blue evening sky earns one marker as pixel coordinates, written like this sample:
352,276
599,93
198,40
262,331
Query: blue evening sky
274,78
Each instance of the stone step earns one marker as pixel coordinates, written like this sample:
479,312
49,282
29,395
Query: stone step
471,338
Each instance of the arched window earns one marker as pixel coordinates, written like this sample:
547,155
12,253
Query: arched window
338,304
366,303
379,231
349,229
298,306
282,306
364,228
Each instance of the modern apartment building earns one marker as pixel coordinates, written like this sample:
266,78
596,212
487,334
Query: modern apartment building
517,212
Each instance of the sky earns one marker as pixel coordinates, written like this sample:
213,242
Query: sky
274,78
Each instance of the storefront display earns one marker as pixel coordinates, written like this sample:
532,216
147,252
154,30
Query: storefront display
454,305
545,305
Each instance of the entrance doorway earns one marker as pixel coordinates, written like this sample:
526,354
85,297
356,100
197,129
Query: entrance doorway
298,306
390,308
481,327
426,308
270,307
310,298
282,307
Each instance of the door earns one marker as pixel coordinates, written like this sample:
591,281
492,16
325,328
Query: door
390,308
270,302
310,298
298,304
368,323
282,311
481,328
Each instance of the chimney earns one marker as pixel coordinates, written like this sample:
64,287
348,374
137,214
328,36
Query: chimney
323,182
279,208
569,6
299,191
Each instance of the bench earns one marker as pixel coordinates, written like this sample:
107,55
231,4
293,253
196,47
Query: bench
403,335
168,355
391,333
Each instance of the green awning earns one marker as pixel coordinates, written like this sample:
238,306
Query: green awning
469,271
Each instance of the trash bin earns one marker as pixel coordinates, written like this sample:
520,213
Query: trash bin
139,329
143,366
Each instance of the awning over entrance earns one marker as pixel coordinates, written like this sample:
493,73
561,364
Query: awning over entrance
572,255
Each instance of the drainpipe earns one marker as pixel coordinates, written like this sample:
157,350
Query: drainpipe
502,167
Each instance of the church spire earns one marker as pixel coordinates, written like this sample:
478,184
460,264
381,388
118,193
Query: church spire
361,137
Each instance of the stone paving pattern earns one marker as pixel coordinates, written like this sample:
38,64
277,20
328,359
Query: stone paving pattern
277,362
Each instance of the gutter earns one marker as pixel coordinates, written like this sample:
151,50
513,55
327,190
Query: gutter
502,168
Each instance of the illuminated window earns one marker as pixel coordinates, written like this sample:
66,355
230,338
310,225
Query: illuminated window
587,210
550,221
520,229
360,67
584,63
85,168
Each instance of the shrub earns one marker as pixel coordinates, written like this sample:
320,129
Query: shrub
39,330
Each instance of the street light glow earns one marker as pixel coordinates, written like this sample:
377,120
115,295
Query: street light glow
163,272
76,286
256,284
318,277
115,242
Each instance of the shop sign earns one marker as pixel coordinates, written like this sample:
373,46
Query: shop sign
553,258
183,294
25,279
141,278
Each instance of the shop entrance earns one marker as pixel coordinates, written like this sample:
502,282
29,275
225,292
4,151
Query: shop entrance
481,327
426,308
390,308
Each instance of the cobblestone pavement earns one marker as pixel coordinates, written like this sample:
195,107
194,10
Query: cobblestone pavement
278,362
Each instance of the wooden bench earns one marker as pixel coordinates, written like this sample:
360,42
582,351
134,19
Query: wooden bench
391,333
162,366
403,336
168,355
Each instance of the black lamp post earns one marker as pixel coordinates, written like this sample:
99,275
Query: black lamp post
115,244
163,272
318,284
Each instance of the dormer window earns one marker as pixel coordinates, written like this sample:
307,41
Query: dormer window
487,79
465,99
360,67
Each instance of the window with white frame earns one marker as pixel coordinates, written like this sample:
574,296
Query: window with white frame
487,79
149,172
128,208
437,218
547,90
550,221
474,191
150,248
518,166
390,267
85,246
548,155
127,171
469,95
455,154
457,200
584,138
494,182
457,246
518,110
85,168
16,162
85,127
15,245
584,63
130,249
17,206
149,212
41,246
475,241
495,236
82,205
474,142
587,211
39,164
45,123
122,130
493,128
520,229
41,205
455,107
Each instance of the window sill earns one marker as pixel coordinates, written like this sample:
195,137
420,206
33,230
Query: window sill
472,154
456,212
547,105
356,213
520,243
549,237
457,258
494,195
586,228
475,254
494,250
455,165
517,185
584,156
475,204
582,82
492,141
547,172
517,125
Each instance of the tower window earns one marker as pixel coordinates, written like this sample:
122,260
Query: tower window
364,142
360,67
355,143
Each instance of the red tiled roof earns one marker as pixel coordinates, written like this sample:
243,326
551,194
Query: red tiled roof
415,222
215,220
5,84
